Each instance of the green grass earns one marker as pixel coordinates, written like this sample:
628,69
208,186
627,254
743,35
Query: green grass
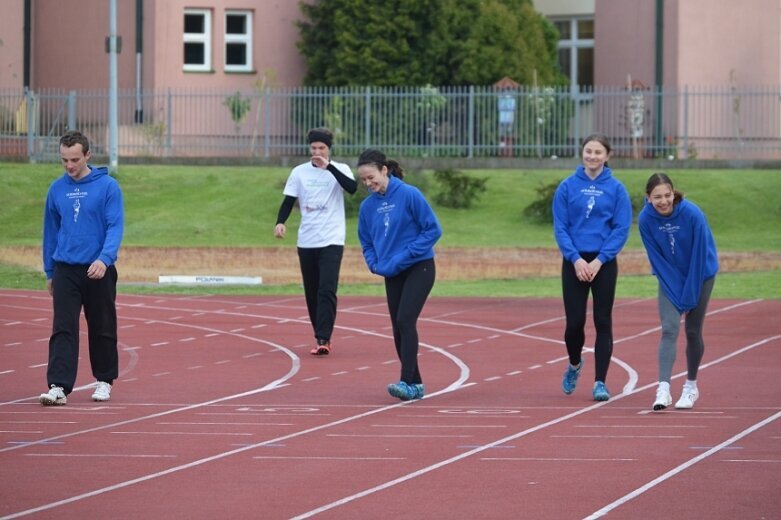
237,206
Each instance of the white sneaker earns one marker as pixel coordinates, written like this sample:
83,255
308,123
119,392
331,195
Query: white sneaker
663,398
55,396
102,392
688,397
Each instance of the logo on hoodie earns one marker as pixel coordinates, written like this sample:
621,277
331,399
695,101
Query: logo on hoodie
592,193
76,195
670,230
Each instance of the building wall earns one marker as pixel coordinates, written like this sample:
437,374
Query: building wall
275,55
68,45
729,43
704,40
12,45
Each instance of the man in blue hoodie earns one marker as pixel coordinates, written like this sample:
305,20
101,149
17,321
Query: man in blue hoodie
82,230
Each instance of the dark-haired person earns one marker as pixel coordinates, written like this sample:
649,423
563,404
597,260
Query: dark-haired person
683,257
319,185
82,231
592,215
398,229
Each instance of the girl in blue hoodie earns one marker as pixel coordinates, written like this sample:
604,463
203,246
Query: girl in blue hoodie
398,229
683,258
592,215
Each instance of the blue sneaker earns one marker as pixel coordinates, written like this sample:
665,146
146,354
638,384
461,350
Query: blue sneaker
600,392
420,390
404,391
570,380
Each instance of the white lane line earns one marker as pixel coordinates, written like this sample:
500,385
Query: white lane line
406,426
6,372
681,467
199,462
554,459
101,455
214,423
39,365
772,461
617,436
504,440
329,458
182,433
396,436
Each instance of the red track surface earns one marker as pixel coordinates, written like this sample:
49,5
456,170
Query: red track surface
220,412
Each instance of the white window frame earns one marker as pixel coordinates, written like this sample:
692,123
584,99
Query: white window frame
245,39
572,45
204,38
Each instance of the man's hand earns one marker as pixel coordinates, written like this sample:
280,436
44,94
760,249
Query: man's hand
96,270
49,287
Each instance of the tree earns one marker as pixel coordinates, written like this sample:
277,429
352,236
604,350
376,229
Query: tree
419,42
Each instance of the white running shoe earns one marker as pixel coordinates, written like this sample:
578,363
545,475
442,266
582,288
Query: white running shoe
663,398
55,396
102,392
688,397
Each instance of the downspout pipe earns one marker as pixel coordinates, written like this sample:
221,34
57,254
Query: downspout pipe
139,115
659,77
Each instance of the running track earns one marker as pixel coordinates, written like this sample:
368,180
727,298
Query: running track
220,412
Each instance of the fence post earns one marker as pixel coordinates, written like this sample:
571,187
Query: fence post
367,118
266,123
471,123
575,92
72,110
168,121
685,152
30,125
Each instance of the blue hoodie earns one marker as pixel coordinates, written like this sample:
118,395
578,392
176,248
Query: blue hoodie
82,220
397,229
681,250
591,215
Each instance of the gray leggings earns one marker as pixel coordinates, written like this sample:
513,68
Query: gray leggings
671,323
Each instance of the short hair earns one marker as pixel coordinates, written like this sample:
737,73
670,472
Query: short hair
74,137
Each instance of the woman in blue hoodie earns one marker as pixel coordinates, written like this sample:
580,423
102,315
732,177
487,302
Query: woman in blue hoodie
398,229
683,258
592,215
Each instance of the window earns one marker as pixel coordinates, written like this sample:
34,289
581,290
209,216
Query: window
238,41
197,40
576,50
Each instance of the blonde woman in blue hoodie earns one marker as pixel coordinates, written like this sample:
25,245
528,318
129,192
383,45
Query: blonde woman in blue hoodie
592,215
683,257
82,230
398,229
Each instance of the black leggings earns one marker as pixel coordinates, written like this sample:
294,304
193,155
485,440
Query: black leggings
407,293
603,290
320,272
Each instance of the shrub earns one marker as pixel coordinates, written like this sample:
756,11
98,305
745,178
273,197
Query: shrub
456,189
541,210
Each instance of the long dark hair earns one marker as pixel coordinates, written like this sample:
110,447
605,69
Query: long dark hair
378,159
659,178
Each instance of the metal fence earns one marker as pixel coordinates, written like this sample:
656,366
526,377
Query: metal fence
688,123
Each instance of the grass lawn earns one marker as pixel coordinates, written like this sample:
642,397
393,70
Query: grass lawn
210,206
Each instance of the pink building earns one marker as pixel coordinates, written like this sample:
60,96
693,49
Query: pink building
205,44
225,46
